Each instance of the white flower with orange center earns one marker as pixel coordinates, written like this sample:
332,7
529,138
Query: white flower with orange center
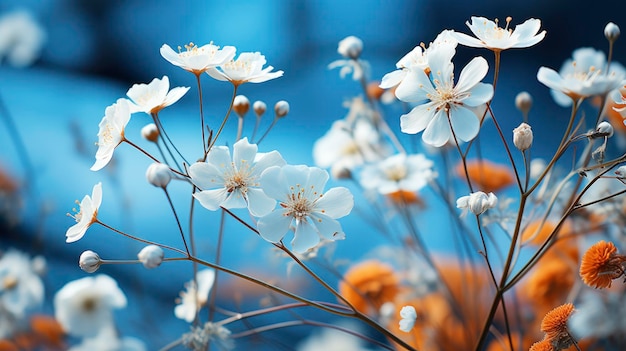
248,67
399,172
493,37
86,215
155,96
111,132
196,59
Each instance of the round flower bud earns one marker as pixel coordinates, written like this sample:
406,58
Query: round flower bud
241,105
350,47
281,108
621,172
151,256
259,108
159,175
611,31
89,261
605,129
522,137
523,101
150,132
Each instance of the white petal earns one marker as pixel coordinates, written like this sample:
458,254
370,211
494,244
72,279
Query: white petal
472,74
273,226
212,199
259,204
437,132
417,119
273,183
264,161
96,196
306,237
326,226
415,87
235,199
219,156
392,79
170,55
550,78
316,181
175,95
464,123
244,152
335,203
206,176
466,40
480,94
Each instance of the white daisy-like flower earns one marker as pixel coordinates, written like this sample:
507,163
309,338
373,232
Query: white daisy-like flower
399,172
491,36
155,96
477,202
21,38
408,315
21,288
299,189
86,215
234,183
248,67
446,105
196,59
582,76
194,297
111,132
84,307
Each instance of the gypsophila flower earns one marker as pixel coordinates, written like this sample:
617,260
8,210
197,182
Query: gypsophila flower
400,172
21,38
89,261
491,36
477,202
86,216
151,256
442,104
85,306
247,68
351,48
234,183
159,175
21,289
408,315
111,132
194,297
196,59
299,189
155,96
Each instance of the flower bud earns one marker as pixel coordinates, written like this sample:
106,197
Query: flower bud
621,172
151,256
605,129
150,132
523,102
159,175
89,261
350,47
241,105
522,137
611,31
281,108
259,108
477,202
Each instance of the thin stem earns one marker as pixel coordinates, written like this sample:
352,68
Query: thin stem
180,228
204,141
239,128
150,156
268,130
157,122
18,141
230,108
218,256
148,242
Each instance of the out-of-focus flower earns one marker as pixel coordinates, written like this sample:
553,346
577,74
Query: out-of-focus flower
89,261
259,108
477,202
241,105
85,306
281,109
234,183
550,282
491,36
524,101
195,297
151,256
21,38
21,288
111,132
333,340
86,215
350,47
247,68
408,315
399,172
523,137
611,31
601,264
159,175
150,132
302,200
370,284
196,59
486,175
108,340
554,324
582,76
598,315
155,96
447,108
201,336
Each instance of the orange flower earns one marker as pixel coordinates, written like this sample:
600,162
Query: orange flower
601,264
6,345
543,345
550,282
368,285
486,175
406,197
554,324
48,330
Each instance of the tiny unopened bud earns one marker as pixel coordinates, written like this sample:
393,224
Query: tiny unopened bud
151,256
281,108
150,132
89,261
159,175
524,101
259,108
621,172
604,129
477,202
611,31
350,47
39,264
523,137
241,105
374,91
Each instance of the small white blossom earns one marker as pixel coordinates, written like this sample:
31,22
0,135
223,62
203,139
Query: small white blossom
247,68
107,339
523,137
21,38
111,132
159,175
21,289
491,36
151,256
194,297
350,47
155,96
399,172
198,59
86,215
408,315
200,337
477,202
89,261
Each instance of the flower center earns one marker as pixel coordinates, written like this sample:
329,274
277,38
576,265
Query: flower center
299,205
9,282
192,49
396,172
89,304
240,178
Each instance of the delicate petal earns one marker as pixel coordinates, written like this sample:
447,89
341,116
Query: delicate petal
235,199
243,152
205,176
306,237
259,204
415,87
212,199
418,118
219,156
327,227
392,79
464,123
274,183
273,226
466,40
480,94
336,202
471,74
437,132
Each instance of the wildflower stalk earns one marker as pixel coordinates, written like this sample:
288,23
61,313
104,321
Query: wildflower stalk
204,141
180,228
219,131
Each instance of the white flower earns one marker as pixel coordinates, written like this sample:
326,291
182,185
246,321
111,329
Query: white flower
350,47
85,306
398,172
446,104
21,38
234,184
582,76
359,68
21,288
522,137
159,175
489,35
151,256
108,340
195,297
409,315
300,192
247,68
89,261
111,132
201,336
86,215
198,59
155,96
477,202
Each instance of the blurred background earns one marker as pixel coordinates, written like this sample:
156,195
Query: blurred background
95,50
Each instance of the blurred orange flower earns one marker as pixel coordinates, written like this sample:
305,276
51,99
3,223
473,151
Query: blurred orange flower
550,282
486,176
406,197
601,264
368,285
